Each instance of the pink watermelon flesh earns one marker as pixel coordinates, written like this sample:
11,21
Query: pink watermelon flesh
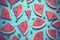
52,3
3,2
18,10
15,38
26,38
38,36
51,15
2,37
7,29
28,1
23,27
28,13
38,23
38,8
52,34
5,14
12,1
56,24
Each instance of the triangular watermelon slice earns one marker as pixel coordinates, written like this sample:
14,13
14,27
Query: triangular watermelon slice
13,1
51,34
15,38
3,2
2,37
52,3
38,23
26,38
28,13
23,27
38,36
38,8
28,1
5,14
51,15
18,10
7,29
56,24
59,34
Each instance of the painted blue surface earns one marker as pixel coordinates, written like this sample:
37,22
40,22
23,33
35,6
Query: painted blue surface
24,17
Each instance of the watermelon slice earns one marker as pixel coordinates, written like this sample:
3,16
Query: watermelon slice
7,29
3,2
51,15
51,34
23,27
56,24
38,23
52,3
26,38
28,13
5,14
58,33
38,36
2,37
28,1
15,38
38,8
13,1
18,10
58,9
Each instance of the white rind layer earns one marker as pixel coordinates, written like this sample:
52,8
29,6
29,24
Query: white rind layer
36,12
26,30
36,33
21,12
37,27
50,4
55,22
50,35
7,32
29,1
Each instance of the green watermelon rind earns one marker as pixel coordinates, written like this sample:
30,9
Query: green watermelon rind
8,11
50,4
26,30
37,12
29,1
50,35
55,22
39,26
7,32
52,12
35,34
21,12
